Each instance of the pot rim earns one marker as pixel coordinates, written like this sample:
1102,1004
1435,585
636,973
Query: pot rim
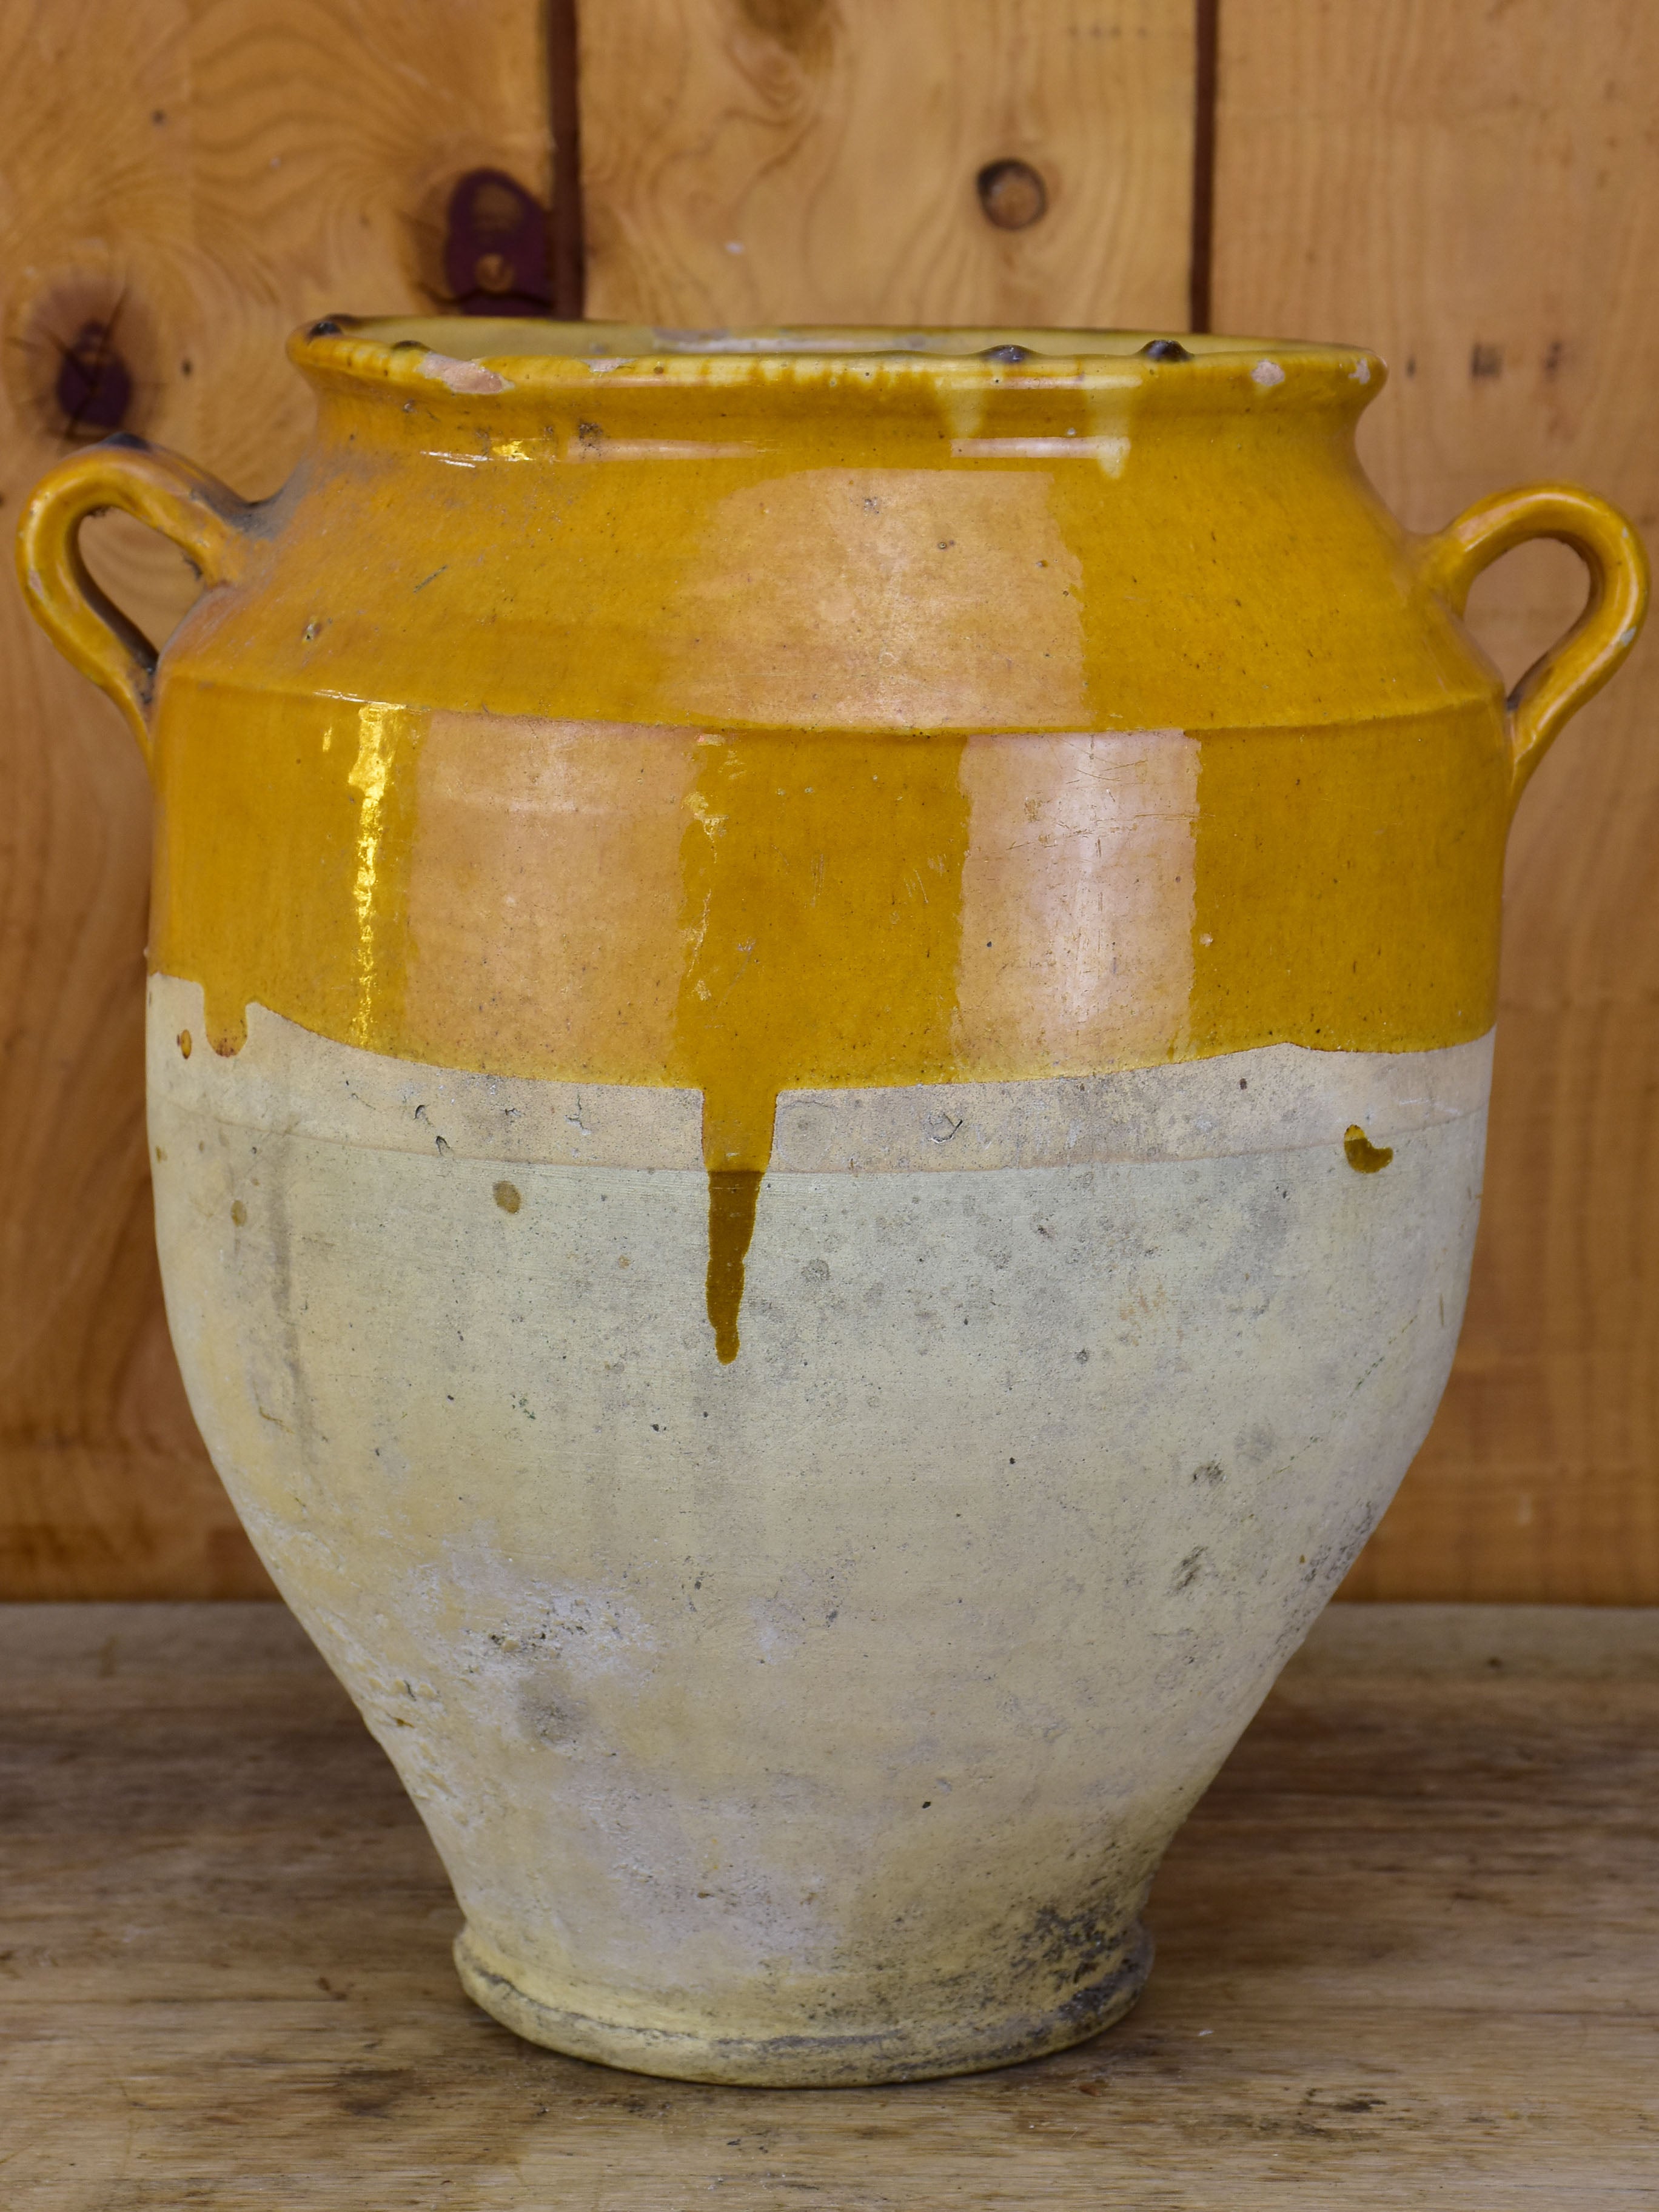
480,355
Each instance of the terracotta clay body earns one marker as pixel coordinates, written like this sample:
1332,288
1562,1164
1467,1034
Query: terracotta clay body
820,1022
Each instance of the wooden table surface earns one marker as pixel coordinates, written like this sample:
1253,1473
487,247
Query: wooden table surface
1408,1955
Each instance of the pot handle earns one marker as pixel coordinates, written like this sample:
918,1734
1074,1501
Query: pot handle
1560,682
207,522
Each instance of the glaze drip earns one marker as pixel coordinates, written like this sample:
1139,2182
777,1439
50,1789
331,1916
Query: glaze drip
733,1195
822,913
743,913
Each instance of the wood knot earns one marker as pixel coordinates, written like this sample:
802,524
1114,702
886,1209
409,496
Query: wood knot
1011,194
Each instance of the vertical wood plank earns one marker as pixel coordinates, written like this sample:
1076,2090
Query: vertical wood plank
202,175
814,161
1474,189
568,258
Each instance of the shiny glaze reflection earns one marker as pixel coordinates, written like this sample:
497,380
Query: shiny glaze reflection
759,912
873,725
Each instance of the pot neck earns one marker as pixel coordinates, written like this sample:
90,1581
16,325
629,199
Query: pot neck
594,382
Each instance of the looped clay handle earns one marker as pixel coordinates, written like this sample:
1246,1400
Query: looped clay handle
1558,683
207,522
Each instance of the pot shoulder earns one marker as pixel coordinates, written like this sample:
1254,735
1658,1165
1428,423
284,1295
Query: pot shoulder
1190,579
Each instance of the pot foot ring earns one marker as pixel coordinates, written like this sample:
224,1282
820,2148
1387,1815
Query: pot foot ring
897,2053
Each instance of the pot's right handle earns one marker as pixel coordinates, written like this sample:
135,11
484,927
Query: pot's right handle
1556,685
207,522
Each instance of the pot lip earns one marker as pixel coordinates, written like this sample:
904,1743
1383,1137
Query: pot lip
481,356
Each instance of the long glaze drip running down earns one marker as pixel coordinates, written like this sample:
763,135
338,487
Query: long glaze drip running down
821,919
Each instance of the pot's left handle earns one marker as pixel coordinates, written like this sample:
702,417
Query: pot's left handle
1558,683
207,522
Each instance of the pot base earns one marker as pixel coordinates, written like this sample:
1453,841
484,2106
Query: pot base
814,2061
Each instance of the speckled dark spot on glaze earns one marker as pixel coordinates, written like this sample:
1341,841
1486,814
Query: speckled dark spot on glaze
1165,349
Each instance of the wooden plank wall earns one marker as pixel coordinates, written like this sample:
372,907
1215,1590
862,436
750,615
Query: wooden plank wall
1467,185
201,174
1474,189
816,160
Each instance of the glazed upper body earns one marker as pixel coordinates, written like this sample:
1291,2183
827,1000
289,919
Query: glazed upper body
790,715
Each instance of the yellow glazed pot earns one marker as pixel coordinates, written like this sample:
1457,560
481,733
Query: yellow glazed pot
820,1018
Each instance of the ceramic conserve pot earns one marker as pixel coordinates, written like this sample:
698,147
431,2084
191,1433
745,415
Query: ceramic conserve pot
819,1025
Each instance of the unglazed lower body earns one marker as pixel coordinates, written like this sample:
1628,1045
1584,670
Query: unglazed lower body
823,1717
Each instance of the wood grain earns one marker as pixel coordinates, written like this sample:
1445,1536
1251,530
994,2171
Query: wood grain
202,176
1475,191
814,161
1407,1955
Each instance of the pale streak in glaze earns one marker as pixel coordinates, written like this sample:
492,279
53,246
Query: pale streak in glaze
883,627
379,727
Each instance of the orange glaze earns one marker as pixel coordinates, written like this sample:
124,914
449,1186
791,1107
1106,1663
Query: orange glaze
764,911
794,718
